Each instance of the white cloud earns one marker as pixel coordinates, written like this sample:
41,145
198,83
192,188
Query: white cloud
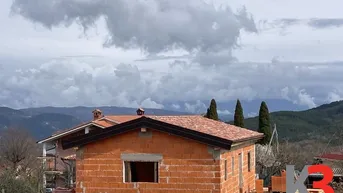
305,99
224,112
334,96
151,104
196,107
252,114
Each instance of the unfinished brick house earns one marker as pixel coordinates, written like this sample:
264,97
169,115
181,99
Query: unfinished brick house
174,154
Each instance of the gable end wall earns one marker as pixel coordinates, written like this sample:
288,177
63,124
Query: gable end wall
186,167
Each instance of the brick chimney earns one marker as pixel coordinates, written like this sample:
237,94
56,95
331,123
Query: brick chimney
140,111
97,114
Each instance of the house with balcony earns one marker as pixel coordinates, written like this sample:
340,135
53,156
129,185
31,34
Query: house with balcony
59,164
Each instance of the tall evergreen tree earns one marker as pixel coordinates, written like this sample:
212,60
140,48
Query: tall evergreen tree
239,117
212,111
207,115
264,124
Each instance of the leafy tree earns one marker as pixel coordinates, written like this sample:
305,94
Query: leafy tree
212,111
20,170
9,182
264,124
239,117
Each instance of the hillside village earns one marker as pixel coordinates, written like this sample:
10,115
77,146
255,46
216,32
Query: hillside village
156,153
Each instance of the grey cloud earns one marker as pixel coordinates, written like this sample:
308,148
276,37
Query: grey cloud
317,23
326,23
246,20
214,58
153,58
153,26
73,82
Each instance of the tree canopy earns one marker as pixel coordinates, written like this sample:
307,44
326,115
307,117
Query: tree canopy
212,111
264,124
239,117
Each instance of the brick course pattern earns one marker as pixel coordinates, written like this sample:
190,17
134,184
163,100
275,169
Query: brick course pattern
187,166
231,185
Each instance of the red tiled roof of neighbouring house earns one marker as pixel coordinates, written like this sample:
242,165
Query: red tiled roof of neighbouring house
331,156
68,129
103,122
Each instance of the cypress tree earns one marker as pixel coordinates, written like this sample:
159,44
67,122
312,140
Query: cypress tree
264,124
212,111
239,117
208,113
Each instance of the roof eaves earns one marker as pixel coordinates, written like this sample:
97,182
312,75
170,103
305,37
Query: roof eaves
53,137
256,137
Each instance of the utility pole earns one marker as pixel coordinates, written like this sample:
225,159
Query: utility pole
276,138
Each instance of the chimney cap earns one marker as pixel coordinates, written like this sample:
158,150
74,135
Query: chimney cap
97,114
96,110
140,111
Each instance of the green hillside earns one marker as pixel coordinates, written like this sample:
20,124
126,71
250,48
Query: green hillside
323,123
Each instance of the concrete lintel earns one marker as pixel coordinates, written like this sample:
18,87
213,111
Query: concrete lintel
141,157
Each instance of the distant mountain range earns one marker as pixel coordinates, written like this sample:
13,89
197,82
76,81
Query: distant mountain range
324,123
42,122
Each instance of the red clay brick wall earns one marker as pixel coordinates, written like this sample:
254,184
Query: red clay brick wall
231,185
187,166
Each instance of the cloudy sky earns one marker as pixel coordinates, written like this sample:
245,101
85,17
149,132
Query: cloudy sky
169,53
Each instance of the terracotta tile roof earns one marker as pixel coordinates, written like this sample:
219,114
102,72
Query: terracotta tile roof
100,122
103,123
193,122
198,123
209,126
332,156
